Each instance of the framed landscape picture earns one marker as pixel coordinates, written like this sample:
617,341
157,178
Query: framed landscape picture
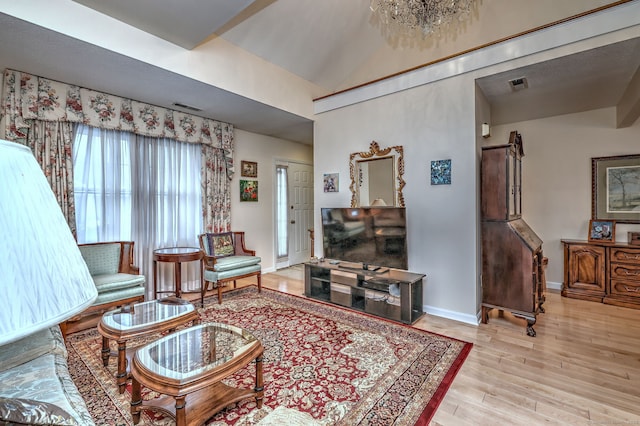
616,188
248,190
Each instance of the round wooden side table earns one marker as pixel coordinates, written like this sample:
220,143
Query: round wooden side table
176,255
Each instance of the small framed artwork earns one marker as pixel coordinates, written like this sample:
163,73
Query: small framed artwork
602,230
331,182
248,169
441,172
248,190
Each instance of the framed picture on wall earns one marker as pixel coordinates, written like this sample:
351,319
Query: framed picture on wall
615,185
602,230
248,190
331,181
248,169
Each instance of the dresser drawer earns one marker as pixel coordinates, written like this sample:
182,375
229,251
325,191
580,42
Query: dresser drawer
626,288
626,272
625,255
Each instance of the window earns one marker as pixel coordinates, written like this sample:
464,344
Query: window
282,212
132,187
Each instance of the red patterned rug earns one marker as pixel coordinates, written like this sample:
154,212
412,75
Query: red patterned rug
323,365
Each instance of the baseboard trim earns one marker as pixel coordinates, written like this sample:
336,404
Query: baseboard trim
456,316
554,286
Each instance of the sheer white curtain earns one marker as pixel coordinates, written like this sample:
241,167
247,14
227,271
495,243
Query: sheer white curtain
143,189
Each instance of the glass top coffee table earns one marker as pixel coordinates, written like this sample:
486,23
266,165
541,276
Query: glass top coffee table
188,367
141,319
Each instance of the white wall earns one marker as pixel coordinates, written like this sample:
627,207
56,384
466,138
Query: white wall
435,113
257,219
556,175
441,218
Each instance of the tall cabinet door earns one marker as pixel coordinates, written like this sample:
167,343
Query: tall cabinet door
584,272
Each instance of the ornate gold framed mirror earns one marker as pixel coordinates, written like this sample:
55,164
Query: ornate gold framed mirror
376,176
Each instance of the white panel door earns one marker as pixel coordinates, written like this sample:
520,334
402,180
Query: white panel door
300,212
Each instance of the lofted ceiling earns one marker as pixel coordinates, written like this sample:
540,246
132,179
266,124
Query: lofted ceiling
323,42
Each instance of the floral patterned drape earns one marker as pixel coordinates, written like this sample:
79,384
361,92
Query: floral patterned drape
27,99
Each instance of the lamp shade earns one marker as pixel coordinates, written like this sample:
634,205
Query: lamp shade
378,202
43,276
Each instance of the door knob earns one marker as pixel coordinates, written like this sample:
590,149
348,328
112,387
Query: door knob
293,221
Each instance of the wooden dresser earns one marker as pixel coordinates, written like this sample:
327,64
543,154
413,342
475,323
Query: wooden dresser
602,272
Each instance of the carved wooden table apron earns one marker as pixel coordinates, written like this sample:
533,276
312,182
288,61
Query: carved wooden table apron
139,320
188,367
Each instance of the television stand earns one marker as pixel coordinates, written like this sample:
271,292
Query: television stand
390,293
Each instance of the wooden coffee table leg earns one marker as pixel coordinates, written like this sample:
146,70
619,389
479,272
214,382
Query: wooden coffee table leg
136,401
106,351
181,412
121,377
259,384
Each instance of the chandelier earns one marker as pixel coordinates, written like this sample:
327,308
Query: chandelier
406,18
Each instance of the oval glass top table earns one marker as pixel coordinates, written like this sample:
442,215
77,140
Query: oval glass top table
188,367
175,255
139,320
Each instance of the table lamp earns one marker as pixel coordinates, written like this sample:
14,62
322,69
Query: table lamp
43,276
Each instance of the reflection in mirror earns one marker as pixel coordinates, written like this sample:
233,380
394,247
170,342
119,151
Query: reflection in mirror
376,177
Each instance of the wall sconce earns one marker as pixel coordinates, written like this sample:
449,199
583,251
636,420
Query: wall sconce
486,130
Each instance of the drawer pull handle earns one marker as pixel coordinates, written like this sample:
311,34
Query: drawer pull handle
632,289
626,256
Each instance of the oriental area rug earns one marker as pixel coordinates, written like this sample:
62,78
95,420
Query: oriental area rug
323,365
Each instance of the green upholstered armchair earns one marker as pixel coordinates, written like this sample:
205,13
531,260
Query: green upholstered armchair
116,278
227,259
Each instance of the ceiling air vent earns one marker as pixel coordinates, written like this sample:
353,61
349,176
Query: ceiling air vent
190,108
518,83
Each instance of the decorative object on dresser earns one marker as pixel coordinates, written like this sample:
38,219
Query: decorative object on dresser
512,260
615,194
633,238
607,272
602,230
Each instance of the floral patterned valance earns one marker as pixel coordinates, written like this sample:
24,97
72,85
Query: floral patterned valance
27,97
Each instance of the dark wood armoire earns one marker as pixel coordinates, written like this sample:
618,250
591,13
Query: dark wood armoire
512,259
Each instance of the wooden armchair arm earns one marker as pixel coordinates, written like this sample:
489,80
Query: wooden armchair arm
126,259
241,250
209,262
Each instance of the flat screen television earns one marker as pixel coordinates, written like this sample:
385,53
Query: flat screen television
372,236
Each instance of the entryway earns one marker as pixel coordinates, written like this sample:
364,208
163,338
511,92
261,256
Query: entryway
294,213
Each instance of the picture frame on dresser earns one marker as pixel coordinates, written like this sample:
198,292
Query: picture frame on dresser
615,191
602,230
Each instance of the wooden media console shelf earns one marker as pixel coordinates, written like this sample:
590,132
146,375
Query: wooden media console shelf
386,292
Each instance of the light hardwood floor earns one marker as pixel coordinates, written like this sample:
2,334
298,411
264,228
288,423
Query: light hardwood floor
582,368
